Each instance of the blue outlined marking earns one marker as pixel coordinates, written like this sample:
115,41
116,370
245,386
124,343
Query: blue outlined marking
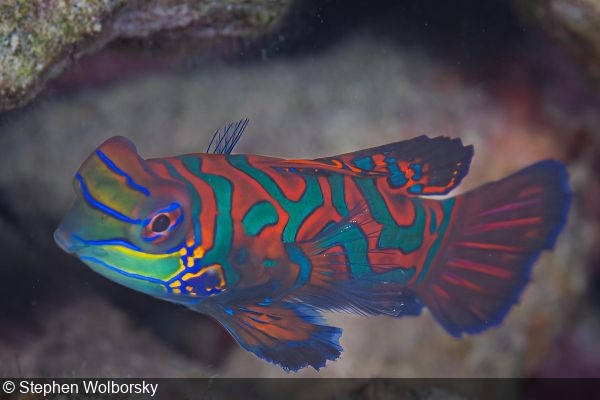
417,171
432,221
416,188
107,242
297,256
102,207
110,164
397,178
267,302
124,273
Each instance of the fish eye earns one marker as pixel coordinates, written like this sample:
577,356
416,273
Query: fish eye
160,223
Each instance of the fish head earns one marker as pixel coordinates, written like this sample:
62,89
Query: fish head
127,223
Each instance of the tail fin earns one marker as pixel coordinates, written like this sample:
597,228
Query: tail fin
485,260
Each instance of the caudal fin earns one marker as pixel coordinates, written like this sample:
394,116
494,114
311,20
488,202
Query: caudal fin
485,261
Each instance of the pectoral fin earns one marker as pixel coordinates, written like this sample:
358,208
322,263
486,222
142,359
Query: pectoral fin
284,333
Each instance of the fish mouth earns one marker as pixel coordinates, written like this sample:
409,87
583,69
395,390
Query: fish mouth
67,242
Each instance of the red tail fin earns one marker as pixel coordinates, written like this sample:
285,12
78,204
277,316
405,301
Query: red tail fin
499,231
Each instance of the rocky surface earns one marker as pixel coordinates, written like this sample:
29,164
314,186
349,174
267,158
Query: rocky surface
38,39
363,93
575,23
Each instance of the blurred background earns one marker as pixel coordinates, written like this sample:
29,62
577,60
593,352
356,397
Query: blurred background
520,80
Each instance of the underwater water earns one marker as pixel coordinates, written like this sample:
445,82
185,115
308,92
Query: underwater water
332,78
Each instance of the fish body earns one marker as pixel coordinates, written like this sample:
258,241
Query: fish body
265,244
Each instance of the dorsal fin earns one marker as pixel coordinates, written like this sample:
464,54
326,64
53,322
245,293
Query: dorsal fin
415,167
224,140
422,165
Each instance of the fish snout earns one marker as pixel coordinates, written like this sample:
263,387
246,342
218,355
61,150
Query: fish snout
65,240
75,226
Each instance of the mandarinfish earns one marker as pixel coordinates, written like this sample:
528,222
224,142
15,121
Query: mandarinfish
265,244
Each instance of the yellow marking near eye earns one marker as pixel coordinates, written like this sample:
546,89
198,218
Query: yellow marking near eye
175,284
190,290
215,268
198,254
134,253
189,275
127,252
177,291
211,268
190,242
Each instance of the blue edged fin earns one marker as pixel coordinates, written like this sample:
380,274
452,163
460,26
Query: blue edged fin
288,334
497,234
421,166
367,296
418,166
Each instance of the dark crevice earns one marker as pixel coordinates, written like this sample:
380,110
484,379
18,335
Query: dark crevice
465,32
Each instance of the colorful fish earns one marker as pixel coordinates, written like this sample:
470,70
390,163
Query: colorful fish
265,244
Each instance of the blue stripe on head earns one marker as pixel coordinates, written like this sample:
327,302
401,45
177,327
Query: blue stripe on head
151,239
122,272
106,242
113,167
102,207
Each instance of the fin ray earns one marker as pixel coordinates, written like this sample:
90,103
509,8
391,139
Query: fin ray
498,232
418,166
291,335
225,139
421,166
337,281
